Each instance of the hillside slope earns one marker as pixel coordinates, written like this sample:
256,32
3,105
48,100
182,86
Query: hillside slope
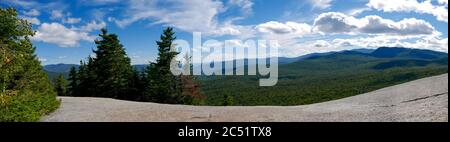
327,77
421,100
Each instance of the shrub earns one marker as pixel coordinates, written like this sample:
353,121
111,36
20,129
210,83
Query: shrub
26,106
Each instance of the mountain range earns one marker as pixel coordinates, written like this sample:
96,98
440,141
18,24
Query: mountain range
328,76
397,56
65,68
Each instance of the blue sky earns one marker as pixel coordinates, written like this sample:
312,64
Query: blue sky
66,29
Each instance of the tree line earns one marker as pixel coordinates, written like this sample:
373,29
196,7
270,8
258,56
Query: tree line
110,74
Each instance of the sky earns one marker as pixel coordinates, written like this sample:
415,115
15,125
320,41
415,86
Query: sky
66,29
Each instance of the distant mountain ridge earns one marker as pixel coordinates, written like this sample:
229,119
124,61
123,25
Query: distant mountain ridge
390,52
382,52
60,68
327,77
394,53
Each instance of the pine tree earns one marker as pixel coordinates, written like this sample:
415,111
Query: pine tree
162,86
61,85
73,79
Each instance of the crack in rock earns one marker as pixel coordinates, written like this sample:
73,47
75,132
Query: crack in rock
417,99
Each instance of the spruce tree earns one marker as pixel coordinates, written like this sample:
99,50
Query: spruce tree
83,84
61,85
162,86
136,86
111,67
73,82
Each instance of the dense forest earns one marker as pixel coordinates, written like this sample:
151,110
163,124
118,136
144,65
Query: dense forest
328,77
26,93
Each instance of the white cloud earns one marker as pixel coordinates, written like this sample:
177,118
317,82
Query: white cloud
186,15
42,59
111,19
94,25
274,27
58,34
412,26
321,43
228,31
357,11
245,5
339,23
296,49
366,32
321,4
22,3
32,13
101,13
425,7
56,14
32,20
72,20
425,42
192,15
334,22
237,31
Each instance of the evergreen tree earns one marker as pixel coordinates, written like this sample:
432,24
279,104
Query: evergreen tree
136,86
15,47
90,78
83,84
111,68
73,79
162,86
22,78
61,85
20,67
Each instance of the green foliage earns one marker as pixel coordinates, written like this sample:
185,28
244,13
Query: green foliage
26,93
161,85
317,80
60,84
228,100
136,86
111,67
73,85
109,74
26,106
